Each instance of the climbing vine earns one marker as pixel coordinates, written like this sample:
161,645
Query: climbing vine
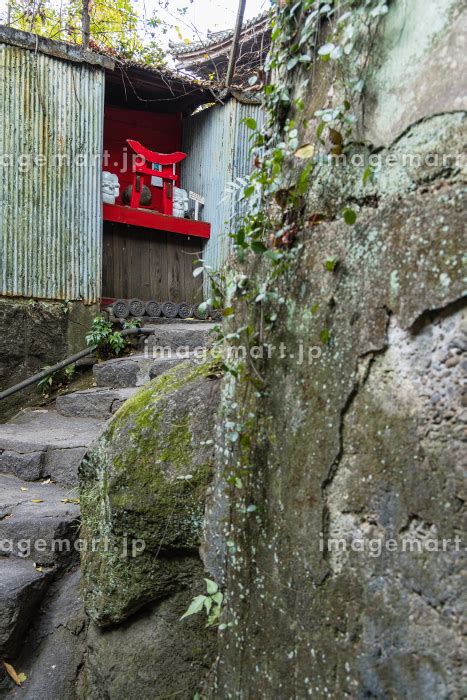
308,38
305,34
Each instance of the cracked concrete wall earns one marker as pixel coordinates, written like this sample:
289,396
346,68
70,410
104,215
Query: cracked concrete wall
365,443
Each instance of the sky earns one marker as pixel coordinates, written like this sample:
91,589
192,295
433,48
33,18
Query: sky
201,14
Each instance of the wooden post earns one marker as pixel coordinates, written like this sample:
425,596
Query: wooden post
85,24
235,41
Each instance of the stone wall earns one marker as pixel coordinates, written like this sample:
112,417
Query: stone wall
364,443
34,334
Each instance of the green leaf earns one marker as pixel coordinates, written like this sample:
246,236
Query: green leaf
250,123
325,336
198,271
195,606
292,62
240,237
274,255
367,174
319,131
326,49
258,247
228,311
218,598
331,263
211,586
248,191
350,216
314,308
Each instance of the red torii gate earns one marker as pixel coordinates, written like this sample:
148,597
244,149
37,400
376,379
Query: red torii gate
167,174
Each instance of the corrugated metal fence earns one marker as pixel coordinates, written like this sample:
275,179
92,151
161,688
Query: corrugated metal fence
217,143
51,117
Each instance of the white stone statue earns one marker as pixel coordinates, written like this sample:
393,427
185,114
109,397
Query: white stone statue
110,187
180,202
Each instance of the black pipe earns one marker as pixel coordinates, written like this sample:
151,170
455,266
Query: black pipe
64,363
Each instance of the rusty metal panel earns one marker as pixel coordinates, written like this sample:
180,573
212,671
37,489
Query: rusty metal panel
51,125
216,141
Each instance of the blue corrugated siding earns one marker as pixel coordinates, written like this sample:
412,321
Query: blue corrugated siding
217,145
51,213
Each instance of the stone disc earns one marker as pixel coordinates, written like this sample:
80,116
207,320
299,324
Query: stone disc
153,308
185,310
170,309
120,308
137,307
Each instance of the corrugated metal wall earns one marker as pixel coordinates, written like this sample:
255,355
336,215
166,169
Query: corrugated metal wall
51,124
217,144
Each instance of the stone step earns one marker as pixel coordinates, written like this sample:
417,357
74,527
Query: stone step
38,521
93,403
163,364
22,587
136,370
122,372
179,336
42,443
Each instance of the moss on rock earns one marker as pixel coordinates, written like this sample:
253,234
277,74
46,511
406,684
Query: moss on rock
143,484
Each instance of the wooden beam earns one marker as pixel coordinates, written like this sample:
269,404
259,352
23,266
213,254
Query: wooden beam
235,41
148,218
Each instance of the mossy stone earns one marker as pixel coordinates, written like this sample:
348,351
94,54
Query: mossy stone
145,481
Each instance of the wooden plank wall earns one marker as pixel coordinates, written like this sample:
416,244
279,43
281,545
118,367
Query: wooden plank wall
146,264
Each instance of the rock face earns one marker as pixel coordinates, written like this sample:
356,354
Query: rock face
153,651
21,590
143,489
344,573
52,653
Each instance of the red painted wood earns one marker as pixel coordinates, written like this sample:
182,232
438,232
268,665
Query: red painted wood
159,132
153,156
141,169
152,219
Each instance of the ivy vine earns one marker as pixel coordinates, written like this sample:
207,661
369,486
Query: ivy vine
266,242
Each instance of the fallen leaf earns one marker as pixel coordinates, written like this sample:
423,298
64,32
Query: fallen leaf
316,219
23,488
70,500
335,137
18,679
305,151
336,150
37,500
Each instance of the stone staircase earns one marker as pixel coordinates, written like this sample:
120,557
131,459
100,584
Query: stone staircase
40,451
